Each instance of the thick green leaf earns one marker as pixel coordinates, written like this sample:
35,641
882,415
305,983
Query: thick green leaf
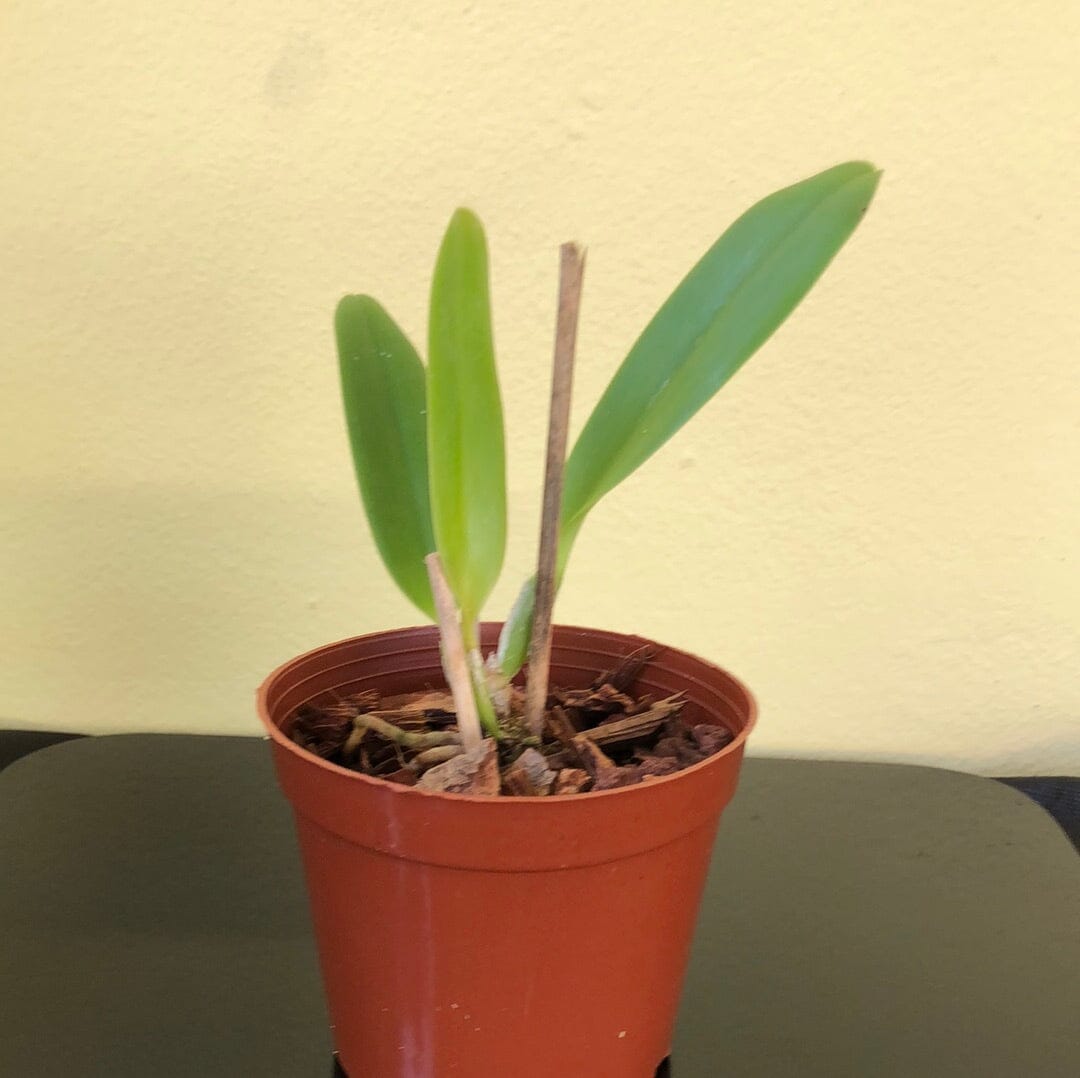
725,309
383,385
729,304
466,452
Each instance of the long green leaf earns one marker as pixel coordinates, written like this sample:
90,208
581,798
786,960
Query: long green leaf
383,386
726,308
729,304
466,452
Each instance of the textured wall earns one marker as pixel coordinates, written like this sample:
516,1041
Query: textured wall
875,524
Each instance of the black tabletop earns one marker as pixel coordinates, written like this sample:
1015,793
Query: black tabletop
862,920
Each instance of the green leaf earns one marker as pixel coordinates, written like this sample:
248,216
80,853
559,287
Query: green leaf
383,386
725,309
517,629
466,453
729,304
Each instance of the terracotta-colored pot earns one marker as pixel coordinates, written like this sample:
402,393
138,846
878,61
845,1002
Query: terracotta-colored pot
471,937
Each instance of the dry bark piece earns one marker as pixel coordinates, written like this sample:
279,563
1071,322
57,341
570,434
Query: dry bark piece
417,712
678,742
635,727
571,780
474,772
516,782
596,761
711,739
667,746
436,700
431,704
628,670
617,777
596,701
557,757
687,753
405,777
681,749
623,731
560,727
676,728
643,704
655,767
537,768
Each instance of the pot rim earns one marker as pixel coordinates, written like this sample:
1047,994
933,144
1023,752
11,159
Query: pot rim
274,732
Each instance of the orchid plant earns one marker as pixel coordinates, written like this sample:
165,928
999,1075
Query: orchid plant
428,443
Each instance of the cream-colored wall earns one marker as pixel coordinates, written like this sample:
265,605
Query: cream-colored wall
875,524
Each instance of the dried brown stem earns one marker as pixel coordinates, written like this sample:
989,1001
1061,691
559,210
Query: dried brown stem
454,660
571,270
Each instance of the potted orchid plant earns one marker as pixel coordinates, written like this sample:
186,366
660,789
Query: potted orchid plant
505,827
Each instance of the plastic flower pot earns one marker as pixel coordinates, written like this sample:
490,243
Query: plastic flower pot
483,937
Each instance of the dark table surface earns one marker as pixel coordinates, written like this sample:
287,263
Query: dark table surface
862,920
